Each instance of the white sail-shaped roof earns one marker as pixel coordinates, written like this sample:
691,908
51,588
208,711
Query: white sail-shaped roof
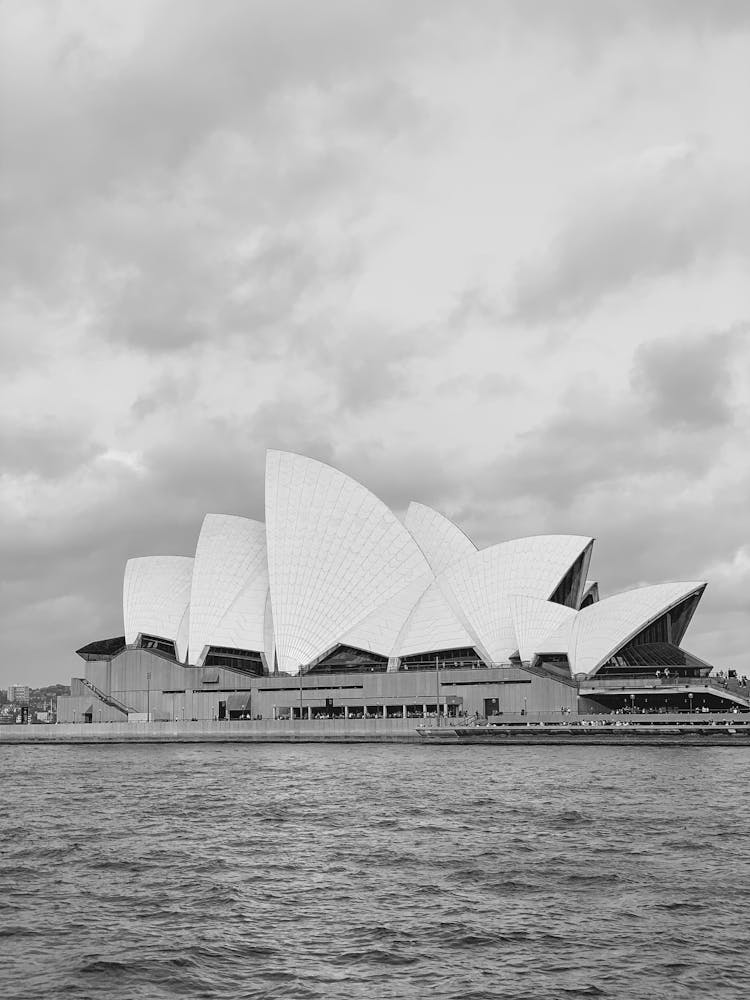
558,641
600,629
155,598
442,542
230,585
378,631
432,626
534,620
479,587
335,554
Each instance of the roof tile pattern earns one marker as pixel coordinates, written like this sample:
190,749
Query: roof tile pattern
442,542
335,554
600,629
558,641
155,598
533,620
479,587
432,626
378,631
230,585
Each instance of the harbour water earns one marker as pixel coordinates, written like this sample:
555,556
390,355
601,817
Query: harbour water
388,871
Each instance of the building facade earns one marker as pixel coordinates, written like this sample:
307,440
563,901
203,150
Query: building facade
19,694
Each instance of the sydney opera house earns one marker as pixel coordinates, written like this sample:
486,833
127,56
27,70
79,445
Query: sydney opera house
337,608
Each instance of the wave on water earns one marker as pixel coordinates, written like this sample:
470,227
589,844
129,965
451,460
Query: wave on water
373,873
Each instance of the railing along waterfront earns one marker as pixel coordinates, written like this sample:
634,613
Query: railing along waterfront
657,683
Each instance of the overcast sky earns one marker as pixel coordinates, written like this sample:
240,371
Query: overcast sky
489,256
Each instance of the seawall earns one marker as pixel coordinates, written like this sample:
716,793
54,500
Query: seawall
257,731
714,729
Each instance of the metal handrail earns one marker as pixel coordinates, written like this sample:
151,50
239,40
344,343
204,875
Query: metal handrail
624,684
106,698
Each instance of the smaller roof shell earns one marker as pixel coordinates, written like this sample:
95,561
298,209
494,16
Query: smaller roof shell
600,629
229,586
479,587
155,598
432,626
442,541
558,641
534,620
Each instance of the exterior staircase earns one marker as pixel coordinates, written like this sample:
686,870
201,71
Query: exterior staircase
119,706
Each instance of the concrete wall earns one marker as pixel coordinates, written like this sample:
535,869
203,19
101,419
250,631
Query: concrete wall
323,731
361,730
71,709
178,693
514,688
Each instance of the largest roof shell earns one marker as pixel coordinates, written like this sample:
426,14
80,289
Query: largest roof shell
335,554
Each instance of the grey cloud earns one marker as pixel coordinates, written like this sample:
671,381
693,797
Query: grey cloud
183,293
493,384
687,382
370,365
615,455
588,24
170,391
589,447
45,450
498,384
149,106
663,224
475,303
369,378
294,425
675,540
181,202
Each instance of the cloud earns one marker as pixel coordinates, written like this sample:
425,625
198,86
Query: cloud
169,391
591,24
587,446
687,382
43,450
370,366
195,194
654,223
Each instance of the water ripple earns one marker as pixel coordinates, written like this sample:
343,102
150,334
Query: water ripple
377,872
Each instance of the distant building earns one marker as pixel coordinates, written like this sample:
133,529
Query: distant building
19,694
335,607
